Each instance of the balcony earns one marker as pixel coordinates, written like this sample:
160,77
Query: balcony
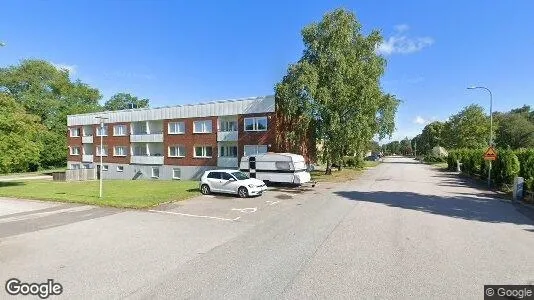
87,139
147,138
146,160
227,136
87,158
227,162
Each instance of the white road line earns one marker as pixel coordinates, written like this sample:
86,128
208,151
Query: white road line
272,202
47,213
246,210
195,216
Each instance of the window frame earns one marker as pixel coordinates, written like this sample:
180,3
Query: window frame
152,172
105,147
105,127
75,147
105,168
204,152
255,124
226,124
77,129
225,151
256,149
125,132
179,170
120,155
176,146
203,126
175,122
121,169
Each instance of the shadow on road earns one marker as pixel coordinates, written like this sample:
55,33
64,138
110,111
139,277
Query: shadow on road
463,207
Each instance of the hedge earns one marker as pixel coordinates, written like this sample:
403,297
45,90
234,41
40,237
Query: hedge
505,168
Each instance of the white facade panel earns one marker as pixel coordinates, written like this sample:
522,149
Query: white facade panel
220,108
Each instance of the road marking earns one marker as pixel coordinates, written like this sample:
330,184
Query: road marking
271,202
195,216
47,213
246,210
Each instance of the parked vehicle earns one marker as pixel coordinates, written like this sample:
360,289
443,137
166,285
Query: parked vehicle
231,182
276,167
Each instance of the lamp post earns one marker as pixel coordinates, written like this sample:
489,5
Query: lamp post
101,120
491,125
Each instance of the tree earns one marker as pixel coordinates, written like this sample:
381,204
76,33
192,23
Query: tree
47,92
19,136
430,137
467,129
515,130
334,90
406,146
125,101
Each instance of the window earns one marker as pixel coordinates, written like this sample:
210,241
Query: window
120,151
176,128
227,125
282,165
75,166
226,176
203,151
120,168
139,150
87,131
104,151
87,166
176,173
254,149
74,150
119,130
214,175
176,151
256,124
202,126
155,172
102,131
105,168
75,132
228,151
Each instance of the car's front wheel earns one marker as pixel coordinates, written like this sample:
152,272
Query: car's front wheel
205,189
242,192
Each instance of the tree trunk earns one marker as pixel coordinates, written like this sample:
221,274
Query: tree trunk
328,170
340,165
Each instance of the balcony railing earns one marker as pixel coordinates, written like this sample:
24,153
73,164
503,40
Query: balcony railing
227,136
147,138
87,158
146,160
227,162
87,139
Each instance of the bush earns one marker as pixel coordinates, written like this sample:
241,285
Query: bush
429,158
451,159
506,167
526,163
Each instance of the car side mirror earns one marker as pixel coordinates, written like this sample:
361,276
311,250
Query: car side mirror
231,179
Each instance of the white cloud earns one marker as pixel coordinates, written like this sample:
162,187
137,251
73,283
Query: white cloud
420,120
401,43
70,68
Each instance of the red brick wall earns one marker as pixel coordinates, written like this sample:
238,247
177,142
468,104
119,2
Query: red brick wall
256,137
74,142
189,140
110,141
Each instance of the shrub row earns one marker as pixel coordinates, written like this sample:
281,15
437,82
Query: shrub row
505,168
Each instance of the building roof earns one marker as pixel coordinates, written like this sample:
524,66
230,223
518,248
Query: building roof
251,105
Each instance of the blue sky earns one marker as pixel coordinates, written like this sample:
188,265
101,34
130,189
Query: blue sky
176,52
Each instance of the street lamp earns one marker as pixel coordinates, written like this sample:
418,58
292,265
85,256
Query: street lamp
491,125
101,120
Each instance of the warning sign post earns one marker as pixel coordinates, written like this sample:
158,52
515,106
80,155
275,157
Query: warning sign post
490,154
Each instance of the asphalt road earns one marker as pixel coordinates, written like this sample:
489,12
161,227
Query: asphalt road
403,230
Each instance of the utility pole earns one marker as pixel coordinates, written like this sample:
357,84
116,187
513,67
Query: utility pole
491,125
102,120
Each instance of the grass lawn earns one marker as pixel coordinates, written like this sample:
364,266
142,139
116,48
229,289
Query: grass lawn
344,175
117,193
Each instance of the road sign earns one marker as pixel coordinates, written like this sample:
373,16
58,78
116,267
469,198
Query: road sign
490,154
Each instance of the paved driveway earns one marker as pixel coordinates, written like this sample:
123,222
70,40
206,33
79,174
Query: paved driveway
404,230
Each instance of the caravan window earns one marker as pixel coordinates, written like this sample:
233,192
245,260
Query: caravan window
282,165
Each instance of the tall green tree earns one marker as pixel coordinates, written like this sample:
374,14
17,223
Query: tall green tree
515,129
125,101
430,137
467,129
47,92
334,88
20,144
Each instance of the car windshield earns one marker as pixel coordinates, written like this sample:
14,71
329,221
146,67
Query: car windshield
240,175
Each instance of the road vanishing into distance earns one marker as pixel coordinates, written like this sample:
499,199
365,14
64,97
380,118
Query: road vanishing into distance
402,230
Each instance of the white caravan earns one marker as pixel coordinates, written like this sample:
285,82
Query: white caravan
276,167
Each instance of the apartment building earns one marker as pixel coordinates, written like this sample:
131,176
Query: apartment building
175,142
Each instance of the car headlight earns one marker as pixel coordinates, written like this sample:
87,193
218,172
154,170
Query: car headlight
251,186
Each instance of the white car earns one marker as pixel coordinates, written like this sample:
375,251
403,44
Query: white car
232,182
